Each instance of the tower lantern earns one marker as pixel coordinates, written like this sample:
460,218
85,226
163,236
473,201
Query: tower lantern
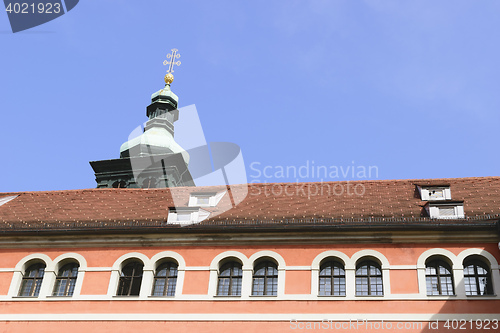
154,158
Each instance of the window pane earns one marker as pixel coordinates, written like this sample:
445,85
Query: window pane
439,278
469,270
161,272
430,271
183,217
123,286
361,286
66,280
368,279
272,286
446,211
71,287
172,282
443,270
165,280
172,271
60,287
230,279
236,287
265,280
130,280
272,270
325,286
26,286
260,271
32,280
477,278
258,286
470,286
326,271
203,200
332,279
38,284
136,286
223,289
159,287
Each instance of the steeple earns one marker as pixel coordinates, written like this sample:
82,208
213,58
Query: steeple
152,159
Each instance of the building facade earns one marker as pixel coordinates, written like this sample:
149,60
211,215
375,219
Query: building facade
411,255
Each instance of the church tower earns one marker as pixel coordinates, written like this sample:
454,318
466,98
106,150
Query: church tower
152,159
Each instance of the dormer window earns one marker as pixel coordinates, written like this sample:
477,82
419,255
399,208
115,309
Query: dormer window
205,199
202,200
449,210
434,193
186,215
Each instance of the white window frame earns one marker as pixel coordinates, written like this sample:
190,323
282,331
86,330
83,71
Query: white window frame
196,216
458,208
425,192
213,199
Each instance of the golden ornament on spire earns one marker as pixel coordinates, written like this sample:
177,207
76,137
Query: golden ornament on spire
171,61
169,78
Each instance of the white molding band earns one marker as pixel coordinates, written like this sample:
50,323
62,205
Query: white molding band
248,297
256,317
99,269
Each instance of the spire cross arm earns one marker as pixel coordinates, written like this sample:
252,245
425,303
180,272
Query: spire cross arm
171,60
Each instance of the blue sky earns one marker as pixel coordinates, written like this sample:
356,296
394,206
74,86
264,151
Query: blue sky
411,87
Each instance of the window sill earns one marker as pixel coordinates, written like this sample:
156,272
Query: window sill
29,297
227,296
480,296
263,295
154,296
331,295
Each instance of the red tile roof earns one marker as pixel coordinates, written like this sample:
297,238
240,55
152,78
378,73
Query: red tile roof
396,200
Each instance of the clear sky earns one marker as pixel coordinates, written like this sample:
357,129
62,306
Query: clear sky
411,87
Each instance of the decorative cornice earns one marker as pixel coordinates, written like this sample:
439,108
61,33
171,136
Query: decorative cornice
256,237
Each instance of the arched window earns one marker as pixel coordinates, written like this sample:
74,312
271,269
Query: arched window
165,279
265,279
369,279
230,277
32,280
66,280
149,182
119,184
332,279
477,278
439,278
130,279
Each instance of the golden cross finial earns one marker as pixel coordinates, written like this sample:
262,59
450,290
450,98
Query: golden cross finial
169,78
